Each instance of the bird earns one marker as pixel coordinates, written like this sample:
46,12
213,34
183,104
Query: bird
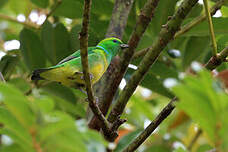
68,72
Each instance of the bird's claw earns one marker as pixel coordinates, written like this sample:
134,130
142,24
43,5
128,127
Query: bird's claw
90,76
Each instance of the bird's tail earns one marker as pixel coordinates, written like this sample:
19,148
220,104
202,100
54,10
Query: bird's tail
36,74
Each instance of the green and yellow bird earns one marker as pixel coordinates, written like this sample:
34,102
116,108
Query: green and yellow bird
69,71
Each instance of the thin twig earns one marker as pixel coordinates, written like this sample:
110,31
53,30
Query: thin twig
11,19
116,28
193,141
84,59
153,125
186,27
56,5
218,60
166,35
212,34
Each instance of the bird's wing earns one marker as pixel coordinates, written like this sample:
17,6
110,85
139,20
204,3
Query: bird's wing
76,55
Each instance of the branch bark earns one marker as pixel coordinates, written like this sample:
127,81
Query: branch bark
153,125
119,18
215,61
186,27
121,64
167,34
84,59
116,28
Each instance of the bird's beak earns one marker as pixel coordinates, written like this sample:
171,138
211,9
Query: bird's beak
123,46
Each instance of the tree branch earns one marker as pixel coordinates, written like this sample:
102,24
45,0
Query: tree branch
119,18
215,61
11,19
116,28
197,135
186,27
167,34
55,6
118,72
211,29
84,59
153,125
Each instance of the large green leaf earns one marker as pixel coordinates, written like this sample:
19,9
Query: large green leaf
196,46
74,41
32,49
165,8
14,129
17,104
20,83
3,2
202,29
70,9
41,3
200,99
12,148
102,7
60,91
56,41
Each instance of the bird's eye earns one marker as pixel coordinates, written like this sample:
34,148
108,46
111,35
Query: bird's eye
114,41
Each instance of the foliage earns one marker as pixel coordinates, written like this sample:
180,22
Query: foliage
45,116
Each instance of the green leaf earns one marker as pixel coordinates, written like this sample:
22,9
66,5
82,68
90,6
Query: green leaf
195,11
200,101
3,2
46,105
69,140
222,43
60,91
70,9
20,83
220,27
7,65
102,7
41,3
152,82
126,140
18,6
195,47
204,148
12,148
56,41
166,8
140,111
32,49
13,128
74,33
17,104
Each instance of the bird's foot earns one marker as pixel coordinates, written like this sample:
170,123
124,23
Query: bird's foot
96,99
90,76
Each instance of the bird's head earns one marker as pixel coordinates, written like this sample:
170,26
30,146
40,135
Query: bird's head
112,45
